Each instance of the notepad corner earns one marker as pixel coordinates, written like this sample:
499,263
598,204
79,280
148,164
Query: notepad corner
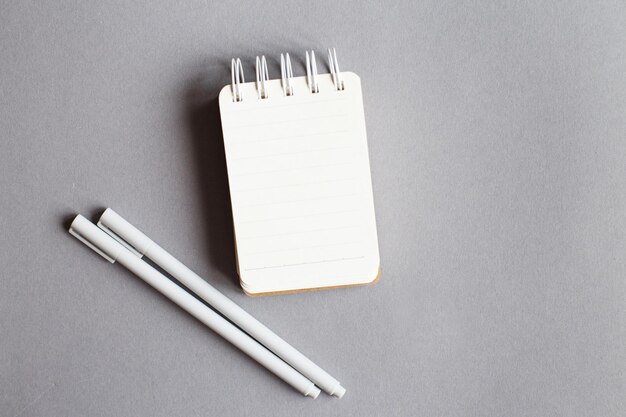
226,90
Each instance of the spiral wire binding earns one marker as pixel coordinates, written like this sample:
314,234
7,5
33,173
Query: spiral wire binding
261,77
236,70
286,74
333,63
311,73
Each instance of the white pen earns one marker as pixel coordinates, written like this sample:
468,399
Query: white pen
139,243
113,251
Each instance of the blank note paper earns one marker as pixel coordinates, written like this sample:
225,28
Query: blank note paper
300,185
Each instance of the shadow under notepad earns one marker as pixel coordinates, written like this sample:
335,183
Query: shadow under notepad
207,145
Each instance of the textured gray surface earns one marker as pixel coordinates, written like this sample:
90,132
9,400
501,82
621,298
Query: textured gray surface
497,137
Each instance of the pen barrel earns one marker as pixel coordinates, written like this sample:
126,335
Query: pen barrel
244,320
141,245
217,323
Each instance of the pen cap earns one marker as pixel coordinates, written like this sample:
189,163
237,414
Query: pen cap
124,232
96,239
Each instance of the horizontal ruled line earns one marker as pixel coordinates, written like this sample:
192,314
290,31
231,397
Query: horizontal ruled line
269,155
280,122
290,137
293,169
306,263
301,200
300,232
327,213
298,184
277,106
304,247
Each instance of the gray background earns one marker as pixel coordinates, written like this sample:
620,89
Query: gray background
498,153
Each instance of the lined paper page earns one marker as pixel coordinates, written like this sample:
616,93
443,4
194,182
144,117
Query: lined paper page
300,186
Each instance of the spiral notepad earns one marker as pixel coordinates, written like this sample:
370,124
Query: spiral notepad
299,175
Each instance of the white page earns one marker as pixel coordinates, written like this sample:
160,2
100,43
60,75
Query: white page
300,186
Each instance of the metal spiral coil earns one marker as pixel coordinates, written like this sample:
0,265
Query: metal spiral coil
311,73
286,75
333,63
236,70
262,77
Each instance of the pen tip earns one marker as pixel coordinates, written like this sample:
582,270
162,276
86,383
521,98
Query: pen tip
339,392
